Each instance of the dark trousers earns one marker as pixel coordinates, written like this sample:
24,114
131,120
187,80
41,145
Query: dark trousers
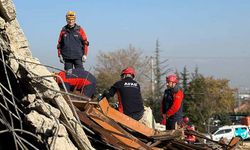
70,63
89,90
137,115
170,123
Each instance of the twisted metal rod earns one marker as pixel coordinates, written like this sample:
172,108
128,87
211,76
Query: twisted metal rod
72,106
10,116
12,130
57,122
18,141
10,100
27,142
8,81
66,93
36,63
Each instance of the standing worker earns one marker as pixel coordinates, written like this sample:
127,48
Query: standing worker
171,106
129,94
72,43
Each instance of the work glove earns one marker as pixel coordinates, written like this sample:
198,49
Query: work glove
61,59
104,94
84,57
100,97
164,119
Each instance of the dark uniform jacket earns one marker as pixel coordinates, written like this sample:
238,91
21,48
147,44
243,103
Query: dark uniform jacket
129,97
78,79
72,42
172,103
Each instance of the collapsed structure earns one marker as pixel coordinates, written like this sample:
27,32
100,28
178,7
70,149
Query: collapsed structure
29,98
35,114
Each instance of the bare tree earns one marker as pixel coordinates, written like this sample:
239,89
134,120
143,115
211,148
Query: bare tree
110,64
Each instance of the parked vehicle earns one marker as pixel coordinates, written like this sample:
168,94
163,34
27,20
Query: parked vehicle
228,132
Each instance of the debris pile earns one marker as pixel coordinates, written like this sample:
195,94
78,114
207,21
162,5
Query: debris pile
35,114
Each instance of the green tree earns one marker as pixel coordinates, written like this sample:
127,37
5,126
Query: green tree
177,74
208,97
196,73
160,70
184,78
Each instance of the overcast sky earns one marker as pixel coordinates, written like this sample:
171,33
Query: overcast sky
211,34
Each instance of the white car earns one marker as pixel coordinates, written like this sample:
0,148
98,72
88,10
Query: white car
228,132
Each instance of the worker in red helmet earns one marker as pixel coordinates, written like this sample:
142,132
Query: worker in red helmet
185,119
171,106
190,138
129,94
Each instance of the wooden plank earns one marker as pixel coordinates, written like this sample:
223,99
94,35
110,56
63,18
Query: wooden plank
233,143
103,133
186,146
124,119
115,129
81,104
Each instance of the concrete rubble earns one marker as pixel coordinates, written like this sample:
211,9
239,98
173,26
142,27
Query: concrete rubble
45,111
35,114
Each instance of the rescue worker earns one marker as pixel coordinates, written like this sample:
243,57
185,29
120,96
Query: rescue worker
129,94
185,121
190,138
171,105
78,80
72,43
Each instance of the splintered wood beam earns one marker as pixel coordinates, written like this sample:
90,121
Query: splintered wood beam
106,136
114,129
181,145
124,119
81,104
233,143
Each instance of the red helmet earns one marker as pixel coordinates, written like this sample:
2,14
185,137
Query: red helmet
128,70
185,119
172,78
191,127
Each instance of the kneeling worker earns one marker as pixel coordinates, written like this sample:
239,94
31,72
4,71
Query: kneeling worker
79,80
128,93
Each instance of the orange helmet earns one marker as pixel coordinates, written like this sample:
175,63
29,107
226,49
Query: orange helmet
71,15
172,78
128,70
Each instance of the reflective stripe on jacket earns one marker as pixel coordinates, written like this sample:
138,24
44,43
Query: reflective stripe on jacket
72,42
78,79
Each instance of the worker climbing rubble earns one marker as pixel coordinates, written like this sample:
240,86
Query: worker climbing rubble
77,80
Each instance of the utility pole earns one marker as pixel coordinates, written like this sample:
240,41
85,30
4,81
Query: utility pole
157,71
152,78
